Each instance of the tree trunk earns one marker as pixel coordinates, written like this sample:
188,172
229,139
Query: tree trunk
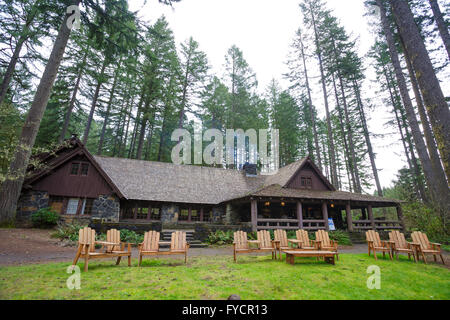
433,97
431,143
417,135
310,105
11,187
108,110
15,57
325,95
73,99
94,103
442,26
368,141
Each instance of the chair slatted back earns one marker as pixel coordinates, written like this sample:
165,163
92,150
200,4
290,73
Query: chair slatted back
303,236
240,240
322,235
178,241
264,239
399,239
151,241
422,239
280,235
87,236
374,236
113,236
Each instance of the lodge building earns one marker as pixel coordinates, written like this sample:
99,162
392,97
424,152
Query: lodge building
79,185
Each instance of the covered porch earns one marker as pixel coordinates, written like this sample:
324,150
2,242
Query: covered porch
268,213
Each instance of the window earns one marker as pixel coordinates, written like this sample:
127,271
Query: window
195,215
74,169
84,169
306,182
184,215
72,206
87,206
154,215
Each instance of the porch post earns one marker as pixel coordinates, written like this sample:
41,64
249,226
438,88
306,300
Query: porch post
348,211
201,214
254,215
135,209
189,214
149,212
370,212
325,215
300,215
400,216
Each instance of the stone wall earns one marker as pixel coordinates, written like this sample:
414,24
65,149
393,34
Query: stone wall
106,208
169,213
218,214
138,228
30,202
232,214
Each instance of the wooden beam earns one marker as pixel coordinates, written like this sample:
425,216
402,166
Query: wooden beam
254,215
149,212
135,209
201,214
370,212
189,214
325,215
300,214
348,212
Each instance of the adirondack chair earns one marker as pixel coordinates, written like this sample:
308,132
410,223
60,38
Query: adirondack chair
302,241
423,246
375,244
324,243
86,247
150,245
281,241
242,245
400,245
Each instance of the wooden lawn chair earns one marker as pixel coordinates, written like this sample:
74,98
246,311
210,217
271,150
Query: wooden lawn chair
241,244
86,247
325,244
423,246
375,244
281,241
400,245
150,245
302,241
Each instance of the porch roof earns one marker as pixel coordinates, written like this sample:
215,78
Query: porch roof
276,191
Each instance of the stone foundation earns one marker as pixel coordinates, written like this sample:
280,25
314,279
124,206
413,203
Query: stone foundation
106,208
202,231
29,203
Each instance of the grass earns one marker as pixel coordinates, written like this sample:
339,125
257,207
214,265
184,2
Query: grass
218,277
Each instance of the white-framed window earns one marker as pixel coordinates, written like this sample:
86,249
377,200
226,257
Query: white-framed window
72,206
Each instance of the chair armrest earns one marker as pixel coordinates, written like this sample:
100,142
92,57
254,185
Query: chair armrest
188,246
436,246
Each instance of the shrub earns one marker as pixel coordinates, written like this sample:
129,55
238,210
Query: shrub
341,237
68,231
220,237
44,218
131,236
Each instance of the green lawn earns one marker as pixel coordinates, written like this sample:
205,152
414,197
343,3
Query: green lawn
218,277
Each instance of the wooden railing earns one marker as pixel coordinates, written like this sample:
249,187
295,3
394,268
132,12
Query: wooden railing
379,225
285,224
289,224
314,225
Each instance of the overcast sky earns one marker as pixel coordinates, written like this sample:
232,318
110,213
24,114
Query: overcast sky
263,30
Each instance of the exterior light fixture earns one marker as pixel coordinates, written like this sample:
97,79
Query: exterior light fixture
283,204
267,204
332,205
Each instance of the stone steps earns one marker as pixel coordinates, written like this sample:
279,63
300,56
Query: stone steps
166,235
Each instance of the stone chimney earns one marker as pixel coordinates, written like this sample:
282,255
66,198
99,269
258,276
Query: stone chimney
250,170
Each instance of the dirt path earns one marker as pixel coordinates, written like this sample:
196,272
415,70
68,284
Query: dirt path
28,246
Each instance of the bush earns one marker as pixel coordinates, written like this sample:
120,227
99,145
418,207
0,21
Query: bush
68,231
341,237
220,237
131,236
44,218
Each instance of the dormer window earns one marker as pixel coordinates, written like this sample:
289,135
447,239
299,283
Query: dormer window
84,169
306,182
79,168
74,169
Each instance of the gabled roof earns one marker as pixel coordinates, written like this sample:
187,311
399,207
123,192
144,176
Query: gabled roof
158,181
55,159
167,182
